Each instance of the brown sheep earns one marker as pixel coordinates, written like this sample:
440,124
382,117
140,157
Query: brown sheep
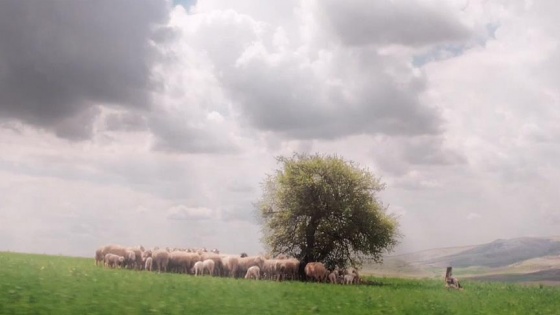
316,271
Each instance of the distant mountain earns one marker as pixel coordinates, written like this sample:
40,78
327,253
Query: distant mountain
501,257
502,253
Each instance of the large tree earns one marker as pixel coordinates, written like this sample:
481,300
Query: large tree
323,208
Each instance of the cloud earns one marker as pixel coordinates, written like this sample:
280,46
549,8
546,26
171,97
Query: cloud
181,212
60,59
125,121
298,90
410,23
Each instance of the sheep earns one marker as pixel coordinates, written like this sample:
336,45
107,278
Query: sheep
316,271
208,264
114,249
161,259
348,278
178,262
113,261
289,268
198,268
99,256
138,253
271,269
244,263
129,259
230,265
148,265
253,272
333,277
218,265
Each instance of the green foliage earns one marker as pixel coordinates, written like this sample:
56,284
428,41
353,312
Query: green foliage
323,208
38,284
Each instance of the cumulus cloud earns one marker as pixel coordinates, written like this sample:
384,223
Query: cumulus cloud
306,90
60,59
410,23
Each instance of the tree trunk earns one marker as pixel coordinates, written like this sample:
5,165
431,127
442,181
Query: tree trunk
308,252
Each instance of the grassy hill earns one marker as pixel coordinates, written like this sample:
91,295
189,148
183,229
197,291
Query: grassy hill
38,284
514,256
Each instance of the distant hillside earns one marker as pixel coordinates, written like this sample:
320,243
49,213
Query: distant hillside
519,256
547,276
505,252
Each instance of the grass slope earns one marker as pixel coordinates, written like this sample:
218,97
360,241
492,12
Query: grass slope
37,284
501,253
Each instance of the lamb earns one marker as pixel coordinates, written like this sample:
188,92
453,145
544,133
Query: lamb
148,265
333,277
208,264
113,261
99,256
348,278
253,272
198,268
244,263
218,266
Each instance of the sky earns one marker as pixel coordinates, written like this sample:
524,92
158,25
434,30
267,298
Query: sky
154,122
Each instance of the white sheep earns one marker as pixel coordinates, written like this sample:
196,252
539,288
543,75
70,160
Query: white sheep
208,264
198,268
253,272
148,265
113,261
349,278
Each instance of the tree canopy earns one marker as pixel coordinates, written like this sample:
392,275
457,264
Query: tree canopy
323,208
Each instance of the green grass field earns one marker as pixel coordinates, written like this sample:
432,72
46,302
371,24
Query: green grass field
38,284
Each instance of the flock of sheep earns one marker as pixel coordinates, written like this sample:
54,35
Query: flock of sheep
201,262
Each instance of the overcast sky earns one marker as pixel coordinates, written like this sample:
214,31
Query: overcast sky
153,122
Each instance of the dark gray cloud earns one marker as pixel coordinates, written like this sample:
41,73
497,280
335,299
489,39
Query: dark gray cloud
60,57
409,23
365,99
328,92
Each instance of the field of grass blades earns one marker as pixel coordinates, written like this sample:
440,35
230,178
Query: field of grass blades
40,284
